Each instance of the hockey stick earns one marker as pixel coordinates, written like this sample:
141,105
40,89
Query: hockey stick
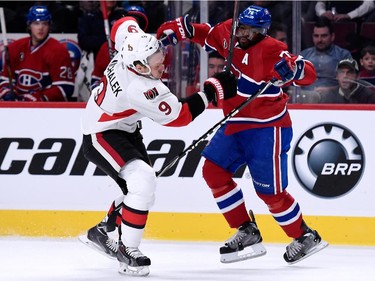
359,81
233,34
6,50
192,50
213,129
106,27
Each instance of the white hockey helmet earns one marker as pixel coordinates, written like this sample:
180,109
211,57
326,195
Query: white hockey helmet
139,47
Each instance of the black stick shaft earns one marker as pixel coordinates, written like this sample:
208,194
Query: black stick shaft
212,130
232,36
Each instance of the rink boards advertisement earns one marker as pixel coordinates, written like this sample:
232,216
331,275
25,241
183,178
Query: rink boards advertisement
44,178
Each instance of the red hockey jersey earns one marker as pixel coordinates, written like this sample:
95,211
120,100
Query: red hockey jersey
46,69
253,67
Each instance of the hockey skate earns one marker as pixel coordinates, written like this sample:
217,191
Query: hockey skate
132,261
304,246
98,240
245,244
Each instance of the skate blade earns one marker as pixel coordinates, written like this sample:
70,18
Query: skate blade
133,271
323,244
91,245
250,252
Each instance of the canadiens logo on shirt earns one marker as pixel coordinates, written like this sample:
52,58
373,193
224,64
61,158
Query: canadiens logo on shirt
151,94
21,56
225,44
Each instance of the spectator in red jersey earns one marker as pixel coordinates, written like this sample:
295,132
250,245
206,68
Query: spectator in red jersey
39,68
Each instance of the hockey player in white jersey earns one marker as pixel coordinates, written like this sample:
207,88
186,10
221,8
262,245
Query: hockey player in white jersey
131,89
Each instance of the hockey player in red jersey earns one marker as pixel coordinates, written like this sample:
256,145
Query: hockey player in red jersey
259,135
131,89
40,66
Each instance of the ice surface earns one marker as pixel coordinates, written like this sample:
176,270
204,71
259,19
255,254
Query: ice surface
37,259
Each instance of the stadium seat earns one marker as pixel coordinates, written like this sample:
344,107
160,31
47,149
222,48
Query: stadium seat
368,30
345,32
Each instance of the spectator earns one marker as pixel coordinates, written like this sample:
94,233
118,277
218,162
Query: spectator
215,64
349,90
40,68
367,61
344,10
279,32
324,55
103,57
91,32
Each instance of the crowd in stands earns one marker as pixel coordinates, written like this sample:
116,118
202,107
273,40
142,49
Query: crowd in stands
332,32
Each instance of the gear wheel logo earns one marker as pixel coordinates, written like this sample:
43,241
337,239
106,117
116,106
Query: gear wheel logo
328,160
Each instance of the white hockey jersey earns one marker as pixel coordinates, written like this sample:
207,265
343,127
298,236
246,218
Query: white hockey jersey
123,97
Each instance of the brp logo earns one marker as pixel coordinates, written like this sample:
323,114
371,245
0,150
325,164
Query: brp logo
328,160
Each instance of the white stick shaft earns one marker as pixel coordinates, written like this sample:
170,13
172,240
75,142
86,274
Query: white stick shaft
3,27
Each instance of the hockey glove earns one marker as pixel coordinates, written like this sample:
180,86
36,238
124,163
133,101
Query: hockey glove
221,86
174,31
33,96
287,69
7,95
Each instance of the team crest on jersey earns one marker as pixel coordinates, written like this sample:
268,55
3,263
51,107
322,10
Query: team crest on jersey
151,94
21,56
29,79
225,44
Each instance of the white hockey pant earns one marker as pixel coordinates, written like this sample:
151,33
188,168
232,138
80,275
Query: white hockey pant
141,182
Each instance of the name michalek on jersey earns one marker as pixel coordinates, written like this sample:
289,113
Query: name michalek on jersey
59,156
115,86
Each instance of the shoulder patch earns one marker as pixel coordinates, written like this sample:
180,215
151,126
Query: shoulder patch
151,94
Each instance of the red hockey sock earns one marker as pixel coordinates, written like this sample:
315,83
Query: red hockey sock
286,211
229,198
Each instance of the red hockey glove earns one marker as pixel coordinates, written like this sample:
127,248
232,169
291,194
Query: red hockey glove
33,96
287,69
174,31
221,86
